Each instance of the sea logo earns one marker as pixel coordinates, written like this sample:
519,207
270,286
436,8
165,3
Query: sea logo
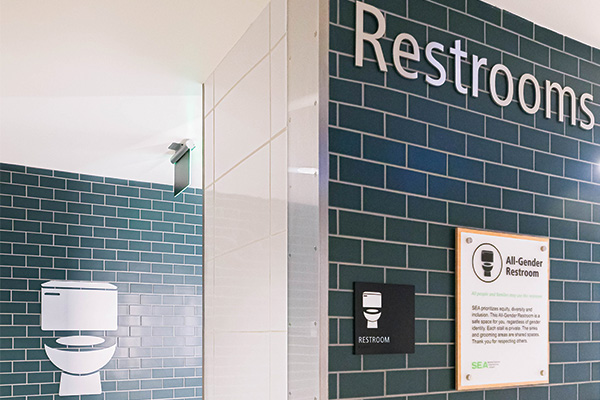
487,262
479,365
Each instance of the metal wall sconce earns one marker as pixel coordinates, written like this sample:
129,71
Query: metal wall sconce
181,160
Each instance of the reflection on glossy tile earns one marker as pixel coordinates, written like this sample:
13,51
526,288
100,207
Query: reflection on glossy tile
209,149
241,366
209,364
241,301
242,119
209,292
209,90
209,218
278,282
242,204
250,49
279,184
278,88
278,359
278,20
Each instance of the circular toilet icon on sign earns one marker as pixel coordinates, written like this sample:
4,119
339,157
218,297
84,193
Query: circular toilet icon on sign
487,262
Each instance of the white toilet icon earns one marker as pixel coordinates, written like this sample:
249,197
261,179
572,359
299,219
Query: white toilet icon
79,306
372,308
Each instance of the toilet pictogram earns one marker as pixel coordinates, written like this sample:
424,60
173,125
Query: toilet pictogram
487,262
372,308
79,306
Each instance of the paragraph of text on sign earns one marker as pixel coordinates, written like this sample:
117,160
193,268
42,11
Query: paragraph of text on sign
492,325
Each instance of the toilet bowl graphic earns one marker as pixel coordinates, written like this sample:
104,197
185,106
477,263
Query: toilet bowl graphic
79,306
372,308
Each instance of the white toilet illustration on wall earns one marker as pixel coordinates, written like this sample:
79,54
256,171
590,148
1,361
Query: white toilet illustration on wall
79,306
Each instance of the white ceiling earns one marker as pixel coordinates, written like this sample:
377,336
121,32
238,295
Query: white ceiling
103,86
577,19
116,47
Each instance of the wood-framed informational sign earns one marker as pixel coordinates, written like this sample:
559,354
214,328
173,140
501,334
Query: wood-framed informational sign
502,309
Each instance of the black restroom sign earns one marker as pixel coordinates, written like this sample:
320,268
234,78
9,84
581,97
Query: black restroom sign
384,318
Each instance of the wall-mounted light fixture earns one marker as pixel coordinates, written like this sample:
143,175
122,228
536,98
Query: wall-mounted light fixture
181,160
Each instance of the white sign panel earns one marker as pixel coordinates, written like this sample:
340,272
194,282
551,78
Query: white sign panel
502,309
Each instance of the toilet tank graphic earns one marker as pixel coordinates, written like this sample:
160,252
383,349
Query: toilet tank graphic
79,306
371,300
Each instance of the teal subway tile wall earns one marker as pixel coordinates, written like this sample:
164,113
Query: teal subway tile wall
410,162
58,225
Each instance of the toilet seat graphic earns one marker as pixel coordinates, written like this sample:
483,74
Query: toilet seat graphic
80,369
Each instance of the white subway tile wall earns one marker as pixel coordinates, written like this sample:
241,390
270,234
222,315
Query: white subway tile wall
246,214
